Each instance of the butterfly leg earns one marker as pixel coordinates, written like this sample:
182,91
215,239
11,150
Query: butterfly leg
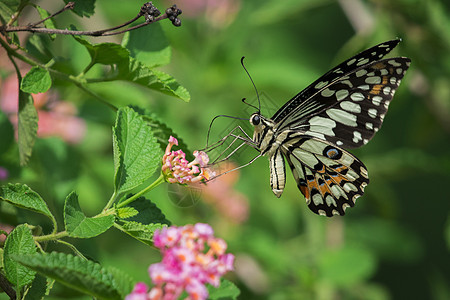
245,138
216,161
240,167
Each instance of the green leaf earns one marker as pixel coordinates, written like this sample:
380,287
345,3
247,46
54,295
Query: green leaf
36,81
226,290
105,53
47,23
22,196
6,132
148,45
139,231
80,226
79,274
38,288
122,281
83,8
19,241
39,46
27,127
136,152
149,213
156,80
347,265
126,212
162,132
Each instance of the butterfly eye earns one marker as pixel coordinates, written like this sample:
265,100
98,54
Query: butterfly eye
255,120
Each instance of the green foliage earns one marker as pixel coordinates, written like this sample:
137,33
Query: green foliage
104,53
148,45
226,290
78,225
148,214
38,288
19,242
47,23
83,8
126,212
139,231
139,73
22,196
27,127
36,81
136,153
80,274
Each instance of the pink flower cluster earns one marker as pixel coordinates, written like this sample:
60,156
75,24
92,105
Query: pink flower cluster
192,256
177,169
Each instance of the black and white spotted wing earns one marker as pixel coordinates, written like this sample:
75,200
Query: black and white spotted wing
330,178
347,105
343,108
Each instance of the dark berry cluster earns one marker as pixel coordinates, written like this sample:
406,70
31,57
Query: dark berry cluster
149,11
172,13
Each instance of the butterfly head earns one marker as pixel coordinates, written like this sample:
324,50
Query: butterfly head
255,119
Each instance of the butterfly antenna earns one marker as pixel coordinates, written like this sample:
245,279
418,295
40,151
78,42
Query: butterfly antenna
212,121
251,105
256,90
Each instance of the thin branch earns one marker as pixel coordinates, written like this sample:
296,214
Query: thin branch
103,32
68,6
150,13
6,286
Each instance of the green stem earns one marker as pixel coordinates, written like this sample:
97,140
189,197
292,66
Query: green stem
88,67
110,202
149,188
74,249
51,236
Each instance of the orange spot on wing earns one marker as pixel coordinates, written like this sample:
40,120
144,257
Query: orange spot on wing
379,66
376,89
385,80
312,184
340,169
324,189
304,191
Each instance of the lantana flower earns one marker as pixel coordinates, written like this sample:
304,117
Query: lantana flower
177,169
192,257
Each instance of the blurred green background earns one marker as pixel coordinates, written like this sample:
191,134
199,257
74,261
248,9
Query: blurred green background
393,245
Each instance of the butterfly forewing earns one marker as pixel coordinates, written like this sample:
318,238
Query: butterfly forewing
303,103
360,102
329,177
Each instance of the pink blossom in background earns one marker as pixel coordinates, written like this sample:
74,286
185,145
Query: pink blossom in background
56,117
218,13
4,174
6,228
177,169
139,292
192,257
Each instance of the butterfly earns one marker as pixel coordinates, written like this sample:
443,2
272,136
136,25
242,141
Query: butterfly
342,109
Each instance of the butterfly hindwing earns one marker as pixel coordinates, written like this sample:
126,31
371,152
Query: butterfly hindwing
329,177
